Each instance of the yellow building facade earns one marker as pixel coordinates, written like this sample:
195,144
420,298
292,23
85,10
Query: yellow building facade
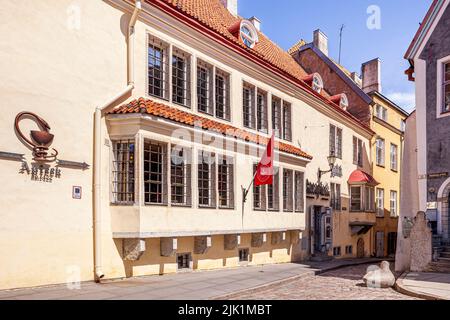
388,123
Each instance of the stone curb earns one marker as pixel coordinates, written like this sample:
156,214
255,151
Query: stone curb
313,272
400,287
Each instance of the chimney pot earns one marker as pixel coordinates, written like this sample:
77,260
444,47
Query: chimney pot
321,41
371,76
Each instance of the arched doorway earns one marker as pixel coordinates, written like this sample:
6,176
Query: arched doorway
360,248
443,212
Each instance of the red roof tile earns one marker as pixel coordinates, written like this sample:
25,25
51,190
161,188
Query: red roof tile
151,107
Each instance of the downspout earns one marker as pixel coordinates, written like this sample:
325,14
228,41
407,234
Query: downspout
97,206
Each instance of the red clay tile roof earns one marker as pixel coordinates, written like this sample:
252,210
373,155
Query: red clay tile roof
151,107
214,16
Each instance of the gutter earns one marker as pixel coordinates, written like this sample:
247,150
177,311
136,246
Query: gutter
97,206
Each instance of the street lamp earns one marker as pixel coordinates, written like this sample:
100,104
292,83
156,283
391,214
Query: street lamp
331,162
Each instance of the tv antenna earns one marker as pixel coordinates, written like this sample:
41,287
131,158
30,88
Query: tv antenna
340,42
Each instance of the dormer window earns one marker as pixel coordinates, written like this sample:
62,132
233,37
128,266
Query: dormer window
344,102
248,34
317,83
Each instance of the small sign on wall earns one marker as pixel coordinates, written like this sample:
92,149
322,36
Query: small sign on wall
76,192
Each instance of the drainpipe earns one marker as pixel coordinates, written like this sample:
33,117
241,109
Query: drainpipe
97,206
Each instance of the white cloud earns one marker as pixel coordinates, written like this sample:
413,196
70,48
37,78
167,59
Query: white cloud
406,100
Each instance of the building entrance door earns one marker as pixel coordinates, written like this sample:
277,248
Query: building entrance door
360,248
380,244
392,243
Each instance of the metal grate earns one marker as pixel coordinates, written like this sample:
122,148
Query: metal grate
123,172
261,114
299,192
276,116
226,182
158,68
287,190
248,103
204,88
155,184
180,176
273,202
206,180
181,78
244,255
184,260
287,122
222,95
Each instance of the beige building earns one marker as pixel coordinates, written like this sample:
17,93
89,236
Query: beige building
159,115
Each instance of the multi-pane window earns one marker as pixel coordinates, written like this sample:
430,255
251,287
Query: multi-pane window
369,198
393,203
155,184
380,202
204,88
180,176
222,95
335,196
380,152
394,157
183,260
337,251
206,179
357,151
381,112
261,112
287,190
299,191
348,250
123,172
356,198
259,195
225,169
273,202
158,68
402,125
243,255
181,90
248,104
287,122
336,141
446,88
276,116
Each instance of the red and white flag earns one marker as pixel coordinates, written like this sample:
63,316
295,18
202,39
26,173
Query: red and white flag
264,170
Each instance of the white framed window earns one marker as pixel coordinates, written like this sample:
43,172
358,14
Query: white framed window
394,157
288,194
206,176
402,125
222,91
443,87
158,68
335,141
248,34
356,198
380,202
248,106
446,88
317,83
261,111
225,181
358,147
381,112
393,204
204,87
380,146
155,172
335,196
181,77
299,194
369,198
282,118
273,192
180,176
123,173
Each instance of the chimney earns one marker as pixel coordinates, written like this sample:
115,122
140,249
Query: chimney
371,76
231,5
357,79
321,41
256,22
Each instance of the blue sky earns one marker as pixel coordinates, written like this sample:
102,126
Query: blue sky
287,21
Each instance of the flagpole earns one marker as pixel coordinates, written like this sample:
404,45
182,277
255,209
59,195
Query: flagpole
244,196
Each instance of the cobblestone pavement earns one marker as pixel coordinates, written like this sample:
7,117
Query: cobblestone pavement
341,284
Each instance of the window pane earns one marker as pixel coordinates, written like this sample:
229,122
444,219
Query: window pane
273,193
299,191
222,96
287,126
447,97
225,182
204,89
380,202
248,107
393,203
158,68
259,195
261,114
393,157
332,140
369,199
276,116
123,172
339,143
180,78
154,173
380,152
180,176
356,199
287,190
206,178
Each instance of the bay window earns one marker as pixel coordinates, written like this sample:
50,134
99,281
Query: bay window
180,176
356,198
299,191
362,198
206,179
287,190
155,184
369,199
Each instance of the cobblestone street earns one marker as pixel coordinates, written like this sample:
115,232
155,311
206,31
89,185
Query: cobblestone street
342,284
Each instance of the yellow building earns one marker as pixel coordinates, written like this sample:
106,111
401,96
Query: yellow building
388,122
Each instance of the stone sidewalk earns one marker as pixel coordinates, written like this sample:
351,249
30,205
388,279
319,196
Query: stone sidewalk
183,286
425,285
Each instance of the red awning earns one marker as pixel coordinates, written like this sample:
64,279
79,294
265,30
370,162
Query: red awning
361,177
